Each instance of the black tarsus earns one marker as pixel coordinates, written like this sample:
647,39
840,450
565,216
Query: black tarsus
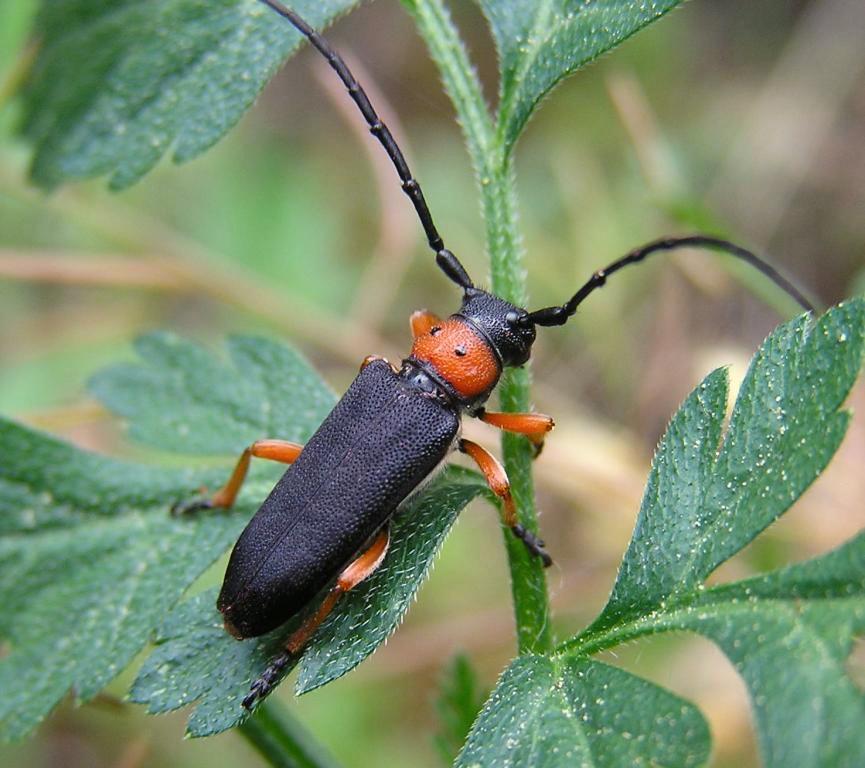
533,544
268,679
449,263
181,508
560,315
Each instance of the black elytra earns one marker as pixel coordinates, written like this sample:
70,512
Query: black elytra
383,438
394,427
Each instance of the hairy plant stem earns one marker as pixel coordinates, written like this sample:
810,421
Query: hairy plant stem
494,172
282,740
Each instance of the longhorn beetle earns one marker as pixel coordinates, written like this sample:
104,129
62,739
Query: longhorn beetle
326,520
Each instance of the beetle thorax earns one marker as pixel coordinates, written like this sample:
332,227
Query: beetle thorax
460,356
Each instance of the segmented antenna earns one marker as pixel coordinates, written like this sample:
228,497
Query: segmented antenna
560,315
449,263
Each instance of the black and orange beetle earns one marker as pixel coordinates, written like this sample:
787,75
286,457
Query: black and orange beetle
326,520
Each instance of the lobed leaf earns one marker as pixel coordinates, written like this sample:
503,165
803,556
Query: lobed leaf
789,632
550,712
702,504
542,41
117,85
198,661
181,398
90,563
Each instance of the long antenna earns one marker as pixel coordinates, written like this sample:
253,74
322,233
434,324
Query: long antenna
449,263
560,315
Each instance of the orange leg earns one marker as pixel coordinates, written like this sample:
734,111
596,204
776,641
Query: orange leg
497,479
354,574
361,568
533,425
275,450
423,322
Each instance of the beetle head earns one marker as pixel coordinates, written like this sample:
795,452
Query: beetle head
508,327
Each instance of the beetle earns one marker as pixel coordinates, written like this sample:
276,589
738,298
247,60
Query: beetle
325,523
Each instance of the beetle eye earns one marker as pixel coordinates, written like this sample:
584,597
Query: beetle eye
519,319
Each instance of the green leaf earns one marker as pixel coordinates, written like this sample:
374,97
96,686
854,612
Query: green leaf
459,702
702,506
557,712
181,398
789,632
542,41
198,661
90,562
116,85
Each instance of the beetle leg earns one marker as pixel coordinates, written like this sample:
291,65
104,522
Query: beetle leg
275,450
358,570
533,425
422,322
497,479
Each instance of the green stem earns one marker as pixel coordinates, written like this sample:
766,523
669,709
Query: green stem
494,173
282,740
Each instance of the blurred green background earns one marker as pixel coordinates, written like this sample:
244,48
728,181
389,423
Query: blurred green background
748,117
